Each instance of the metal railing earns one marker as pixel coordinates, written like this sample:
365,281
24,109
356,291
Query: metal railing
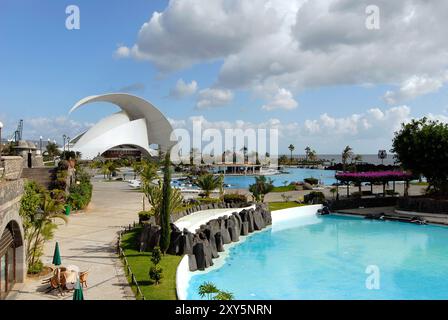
127,266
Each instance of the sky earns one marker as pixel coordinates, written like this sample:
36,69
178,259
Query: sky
311,69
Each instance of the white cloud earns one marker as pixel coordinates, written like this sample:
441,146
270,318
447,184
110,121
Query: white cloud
182,89
298,44
122,52
414,87
53,128
209,98
283,99
366,132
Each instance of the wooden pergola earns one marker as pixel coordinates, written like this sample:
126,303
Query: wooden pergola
373,177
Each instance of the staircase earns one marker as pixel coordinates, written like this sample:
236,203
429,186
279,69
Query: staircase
40,175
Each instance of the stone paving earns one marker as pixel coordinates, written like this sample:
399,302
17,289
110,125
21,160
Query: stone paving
88,241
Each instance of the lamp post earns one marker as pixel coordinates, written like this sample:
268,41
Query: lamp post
63,138
40,144
68,144
1,144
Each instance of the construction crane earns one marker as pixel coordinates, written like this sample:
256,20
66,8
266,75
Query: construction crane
17,135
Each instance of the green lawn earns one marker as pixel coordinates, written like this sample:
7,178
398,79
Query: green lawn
418,183
140,263
284,188
283,205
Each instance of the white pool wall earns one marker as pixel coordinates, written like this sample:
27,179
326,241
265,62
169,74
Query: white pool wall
279,222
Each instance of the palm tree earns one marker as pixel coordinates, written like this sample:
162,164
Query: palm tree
52,150
207,289
109,169
307,153
347,153
245,158
291,149
312,155
148,172
42,226
154,195
208,182
261,187
137,168
224,295
357,158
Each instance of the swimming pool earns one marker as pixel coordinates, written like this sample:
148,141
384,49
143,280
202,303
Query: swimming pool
295,174
326,257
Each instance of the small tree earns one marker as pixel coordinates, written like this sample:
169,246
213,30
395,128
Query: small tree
156,256
156,272
421,147
261,187
38,210
347,154
208,182
291,149
148,172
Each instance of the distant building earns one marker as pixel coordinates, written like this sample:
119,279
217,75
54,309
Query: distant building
139,124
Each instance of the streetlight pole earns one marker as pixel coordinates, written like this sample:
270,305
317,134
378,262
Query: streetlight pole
40,145
64,137
68,144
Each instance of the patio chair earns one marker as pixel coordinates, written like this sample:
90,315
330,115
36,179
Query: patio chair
83,278
55,284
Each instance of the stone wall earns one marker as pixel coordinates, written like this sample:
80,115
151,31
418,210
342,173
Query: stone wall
10,195
13,166
205,244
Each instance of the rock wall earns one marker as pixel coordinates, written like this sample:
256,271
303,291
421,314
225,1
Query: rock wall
205,244
13,166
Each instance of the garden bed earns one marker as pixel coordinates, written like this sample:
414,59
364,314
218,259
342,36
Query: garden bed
140,263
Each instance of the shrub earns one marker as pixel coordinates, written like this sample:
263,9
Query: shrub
312,181
315,197
80,195
36,268
145,216
156,256
235,198
155,274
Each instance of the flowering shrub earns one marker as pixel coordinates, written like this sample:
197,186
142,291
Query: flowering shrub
374,176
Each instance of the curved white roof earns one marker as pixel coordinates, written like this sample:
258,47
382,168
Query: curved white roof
138,123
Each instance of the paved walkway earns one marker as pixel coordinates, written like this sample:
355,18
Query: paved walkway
89,241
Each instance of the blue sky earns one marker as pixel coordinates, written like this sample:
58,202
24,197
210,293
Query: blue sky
326,85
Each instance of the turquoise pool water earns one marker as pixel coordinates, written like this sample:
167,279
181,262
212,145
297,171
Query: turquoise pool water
326,258
295,174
